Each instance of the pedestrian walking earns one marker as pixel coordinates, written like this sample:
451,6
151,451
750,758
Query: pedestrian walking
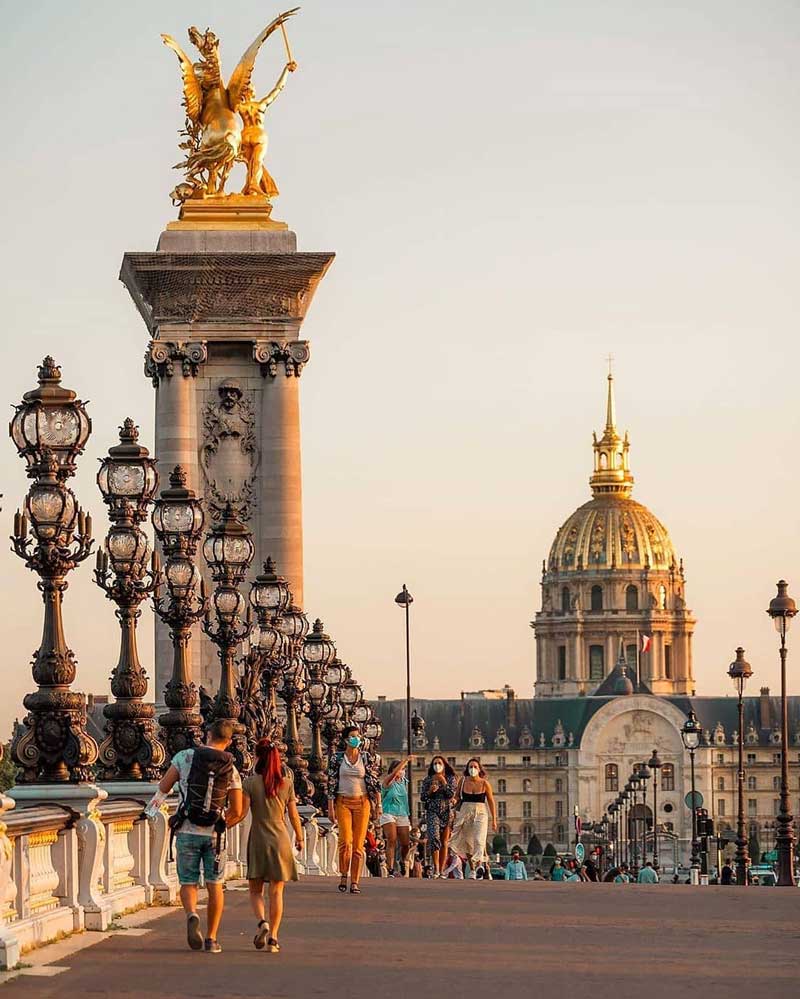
437,795
515,868
474,809
726,874
269,795
395,818
647,875
354,795
210,803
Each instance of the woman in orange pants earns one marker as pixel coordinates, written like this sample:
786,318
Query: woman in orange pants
354,794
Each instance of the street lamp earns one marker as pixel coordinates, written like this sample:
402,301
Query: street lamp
690,734
740,672
782,609
52,535
178,522
405,600
643,772
655,764
319,654
128,480
228,551
293,624
627,794
269,596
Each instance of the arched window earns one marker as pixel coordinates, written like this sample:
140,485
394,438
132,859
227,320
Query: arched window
597,598
631,598
662,597
612,777
565,601
603,461
667,777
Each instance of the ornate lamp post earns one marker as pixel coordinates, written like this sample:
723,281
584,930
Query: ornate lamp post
349,694
655,764
269,597
228,551
612,811
782,609
690,734
319,654
373,730
128,481
178,523
740,672
52,536
636,786
293,624
405,600
643,773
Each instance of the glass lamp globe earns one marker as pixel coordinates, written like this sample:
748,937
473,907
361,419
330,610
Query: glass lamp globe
228,548
318,649
128,474
178,514
128,550
691,731
269,592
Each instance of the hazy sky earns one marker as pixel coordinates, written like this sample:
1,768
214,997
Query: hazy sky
512,192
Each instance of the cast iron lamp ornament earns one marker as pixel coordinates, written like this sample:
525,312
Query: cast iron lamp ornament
228,551
643,772
740,672
178,523
52,535
655,764
128,480
293,625
782,609
690,734
319,653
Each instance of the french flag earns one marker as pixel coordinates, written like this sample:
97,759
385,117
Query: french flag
645,642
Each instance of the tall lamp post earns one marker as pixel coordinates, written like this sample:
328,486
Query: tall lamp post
627,794
319,654
634,819
643,772
228,551
782,609
740,672
269,598
655,764
178,523
128,481
405,600
50,429
690,734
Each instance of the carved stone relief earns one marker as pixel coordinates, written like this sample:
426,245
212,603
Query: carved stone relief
228,455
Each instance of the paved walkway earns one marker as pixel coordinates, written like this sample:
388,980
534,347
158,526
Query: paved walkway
459,940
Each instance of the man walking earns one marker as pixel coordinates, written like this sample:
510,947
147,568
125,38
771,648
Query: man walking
647,875
515,869
211,802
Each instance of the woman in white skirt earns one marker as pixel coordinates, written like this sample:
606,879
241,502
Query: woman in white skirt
475,808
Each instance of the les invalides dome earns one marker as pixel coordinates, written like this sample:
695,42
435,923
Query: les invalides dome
613,589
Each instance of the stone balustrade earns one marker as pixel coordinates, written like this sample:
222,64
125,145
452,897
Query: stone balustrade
80,863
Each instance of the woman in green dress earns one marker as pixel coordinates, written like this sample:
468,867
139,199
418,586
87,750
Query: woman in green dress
269,795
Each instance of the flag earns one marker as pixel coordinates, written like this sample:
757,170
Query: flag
644,642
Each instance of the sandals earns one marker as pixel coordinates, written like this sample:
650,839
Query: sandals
343,884
260,939
355,890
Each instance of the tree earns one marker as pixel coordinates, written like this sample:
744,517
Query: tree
534,846
550,851
499,844
549,856
8,772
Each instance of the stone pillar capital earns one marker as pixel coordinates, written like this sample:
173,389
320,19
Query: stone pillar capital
161,356
290,355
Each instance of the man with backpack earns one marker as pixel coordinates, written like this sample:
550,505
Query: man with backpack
211,802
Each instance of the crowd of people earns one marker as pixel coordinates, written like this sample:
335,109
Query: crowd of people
370,809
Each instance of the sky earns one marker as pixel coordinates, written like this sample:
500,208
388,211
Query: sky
512,194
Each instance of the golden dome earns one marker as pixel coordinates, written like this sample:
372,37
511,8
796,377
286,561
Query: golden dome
612,530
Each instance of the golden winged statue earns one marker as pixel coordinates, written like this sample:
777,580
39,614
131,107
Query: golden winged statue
224,123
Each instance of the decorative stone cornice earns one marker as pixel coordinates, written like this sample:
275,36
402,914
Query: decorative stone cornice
161,356
292,355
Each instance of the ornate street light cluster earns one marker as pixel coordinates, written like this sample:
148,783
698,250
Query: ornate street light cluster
52,535
282,656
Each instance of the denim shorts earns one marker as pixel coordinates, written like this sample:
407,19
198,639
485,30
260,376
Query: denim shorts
192,850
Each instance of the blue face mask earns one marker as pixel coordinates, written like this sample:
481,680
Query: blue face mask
354,741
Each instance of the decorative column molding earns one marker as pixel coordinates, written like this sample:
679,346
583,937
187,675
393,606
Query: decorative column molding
290,355
161,357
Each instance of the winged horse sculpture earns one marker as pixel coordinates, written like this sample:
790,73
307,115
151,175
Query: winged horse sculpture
213,124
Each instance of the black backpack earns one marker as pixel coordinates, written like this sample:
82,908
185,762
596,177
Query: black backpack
206,793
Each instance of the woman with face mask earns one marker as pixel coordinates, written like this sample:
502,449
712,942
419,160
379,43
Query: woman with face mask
437,794
354,795
474,808
395,820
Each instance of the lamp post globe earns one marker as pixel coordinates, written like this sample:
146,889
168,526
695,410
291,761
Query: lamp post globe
740,672
782,609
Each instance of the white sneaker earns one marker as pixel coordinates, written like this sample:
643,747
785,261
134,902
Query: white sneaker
471,875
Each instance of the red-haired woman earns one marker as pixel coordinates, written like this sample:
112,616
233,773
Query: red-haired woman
269,794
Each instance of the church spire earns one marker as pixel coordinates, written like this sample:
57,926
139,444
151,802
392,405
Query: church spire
612,475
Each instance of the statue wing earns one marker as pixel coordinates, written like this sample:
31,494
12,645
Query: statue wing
192,91
240,78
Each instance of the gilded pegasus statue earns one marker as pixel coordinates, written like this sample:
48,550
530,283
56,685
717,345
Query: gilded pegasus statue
214,125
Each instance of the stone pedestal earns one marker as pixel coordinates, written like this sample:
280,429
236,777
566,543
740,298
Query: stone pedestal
224,311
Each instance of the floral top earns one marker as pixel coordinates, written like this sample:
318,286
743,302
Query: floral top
372,775
442,797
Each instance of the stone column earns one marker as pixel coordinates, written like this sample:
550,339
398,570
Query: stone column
280,491
173,367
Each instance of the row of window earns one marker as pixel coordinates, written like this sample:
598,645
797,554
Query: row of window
752,783
596,598
597,661
525,761
667,777
753,759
